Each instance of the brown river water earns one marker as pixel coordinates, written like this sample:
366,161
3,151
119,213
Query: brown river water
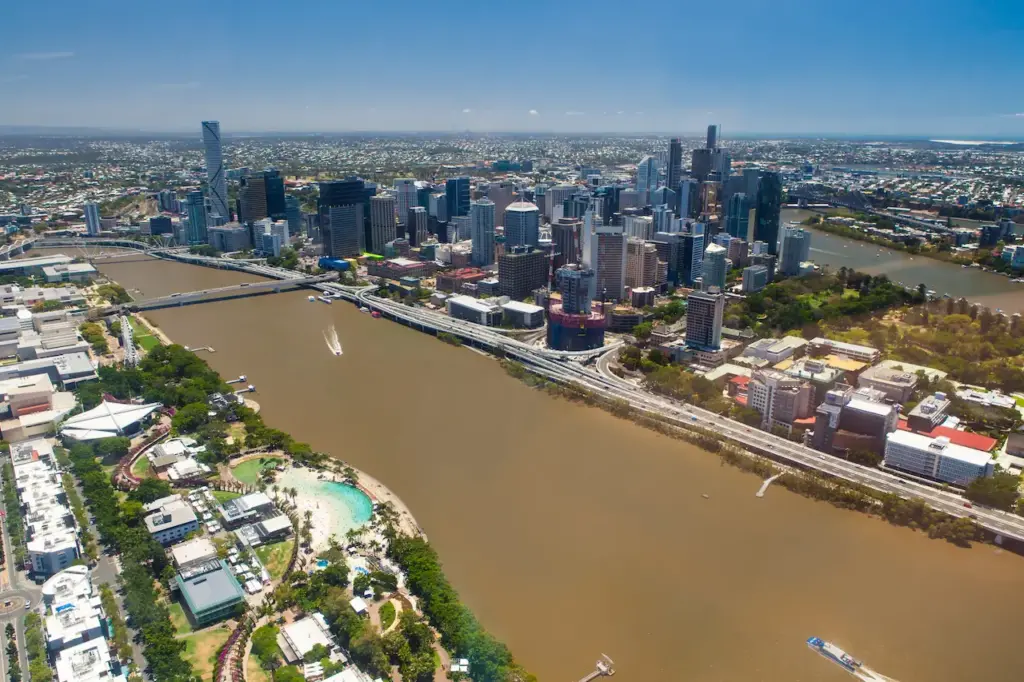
571,533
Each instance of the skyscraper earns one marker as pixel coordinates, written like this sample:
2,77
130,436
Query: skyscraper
293,214
382,222
796,248
217,182
641,263
481,215
521,270
704,311
195,208
501,194
276,208
604,252
92,219
646,177
737,215
712,136
565,238
252,198
576,285
437,206
405,198
675,162
769,204
701,163
342,208
555,196
715,267
457,193
691,255
416,226
522,224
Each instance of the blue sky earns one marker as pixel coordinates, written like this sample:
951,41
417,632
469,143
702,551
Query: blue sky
898,67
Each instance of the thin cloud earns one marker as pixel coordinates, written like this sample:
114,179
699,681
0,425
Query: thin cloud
467,111
534,112
574,113
43,56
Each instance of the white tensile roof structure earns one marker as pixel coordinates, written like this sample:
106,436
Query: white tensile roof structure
106,420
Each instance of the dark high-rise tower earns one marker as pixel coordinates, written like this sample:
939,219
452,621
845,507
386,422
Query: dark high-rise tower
457,192
342,207
712,136
675,163
275,194
769,204
700,163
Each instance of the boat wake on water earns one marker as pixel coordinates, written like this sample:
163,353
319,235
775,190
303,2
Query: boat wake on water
331,339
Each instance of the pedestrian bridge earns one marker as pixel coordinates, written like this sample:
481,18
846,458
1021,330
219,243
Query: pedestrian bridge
222,293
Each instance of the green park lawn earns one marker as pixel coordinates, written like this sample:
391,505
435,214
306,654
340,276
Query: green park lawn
179,620
249,471
223,496
275,557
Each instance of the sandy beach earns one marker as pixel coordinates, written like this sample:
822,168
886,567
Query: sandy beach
332,513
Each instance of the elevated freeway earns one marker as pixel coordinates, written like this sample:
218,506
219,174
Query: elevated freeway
235,291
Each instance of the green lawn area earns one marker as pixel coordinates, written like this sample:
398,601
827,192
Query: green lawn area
1019,401
201,649
147,342
223,496
249,471
179,620
141,467
275,557
851,293
387,616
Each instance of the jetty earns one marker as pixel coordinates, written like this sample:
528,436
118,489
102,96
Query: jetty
767,482
603,668
208,349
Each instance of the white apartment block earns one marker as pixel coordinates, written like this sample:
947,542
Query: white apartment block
936,458
52,539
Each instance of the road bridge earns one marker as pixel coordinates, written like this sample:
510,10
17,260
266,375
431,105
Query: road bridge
234,291
8,251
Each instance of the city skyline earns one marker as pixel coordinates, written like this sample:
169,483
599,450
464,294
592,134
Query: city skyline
769,73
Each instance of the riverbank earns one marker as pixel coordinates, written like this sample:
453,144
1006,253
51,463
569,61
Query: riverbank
823,225
372,487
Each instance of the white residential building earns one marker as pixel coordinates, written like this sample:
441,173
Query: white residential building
52,540
170,520
88,662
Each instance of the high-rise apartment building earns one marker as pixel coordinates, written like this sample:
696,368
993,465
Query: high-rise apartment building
382,222
92,219
521,269
769,205
405,198
715,267
195,209
343,209
457,195
639,226
755,278
688,199
481,215
577,286
675,162
522,224
641,263
609,243
217,182
274,185
712,140
704,310
796,249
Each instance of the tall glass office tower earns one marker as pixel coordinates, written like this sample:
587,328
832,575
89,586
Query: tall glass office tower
215,177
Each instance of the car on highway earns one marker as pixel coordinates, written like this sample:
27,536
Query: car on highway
968,505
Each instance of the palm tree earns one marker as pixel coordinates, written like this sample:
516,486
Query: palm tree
274,489
308,515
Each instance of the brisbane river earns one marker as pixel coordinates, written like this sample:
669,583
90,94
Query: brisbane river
994,291
570,532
